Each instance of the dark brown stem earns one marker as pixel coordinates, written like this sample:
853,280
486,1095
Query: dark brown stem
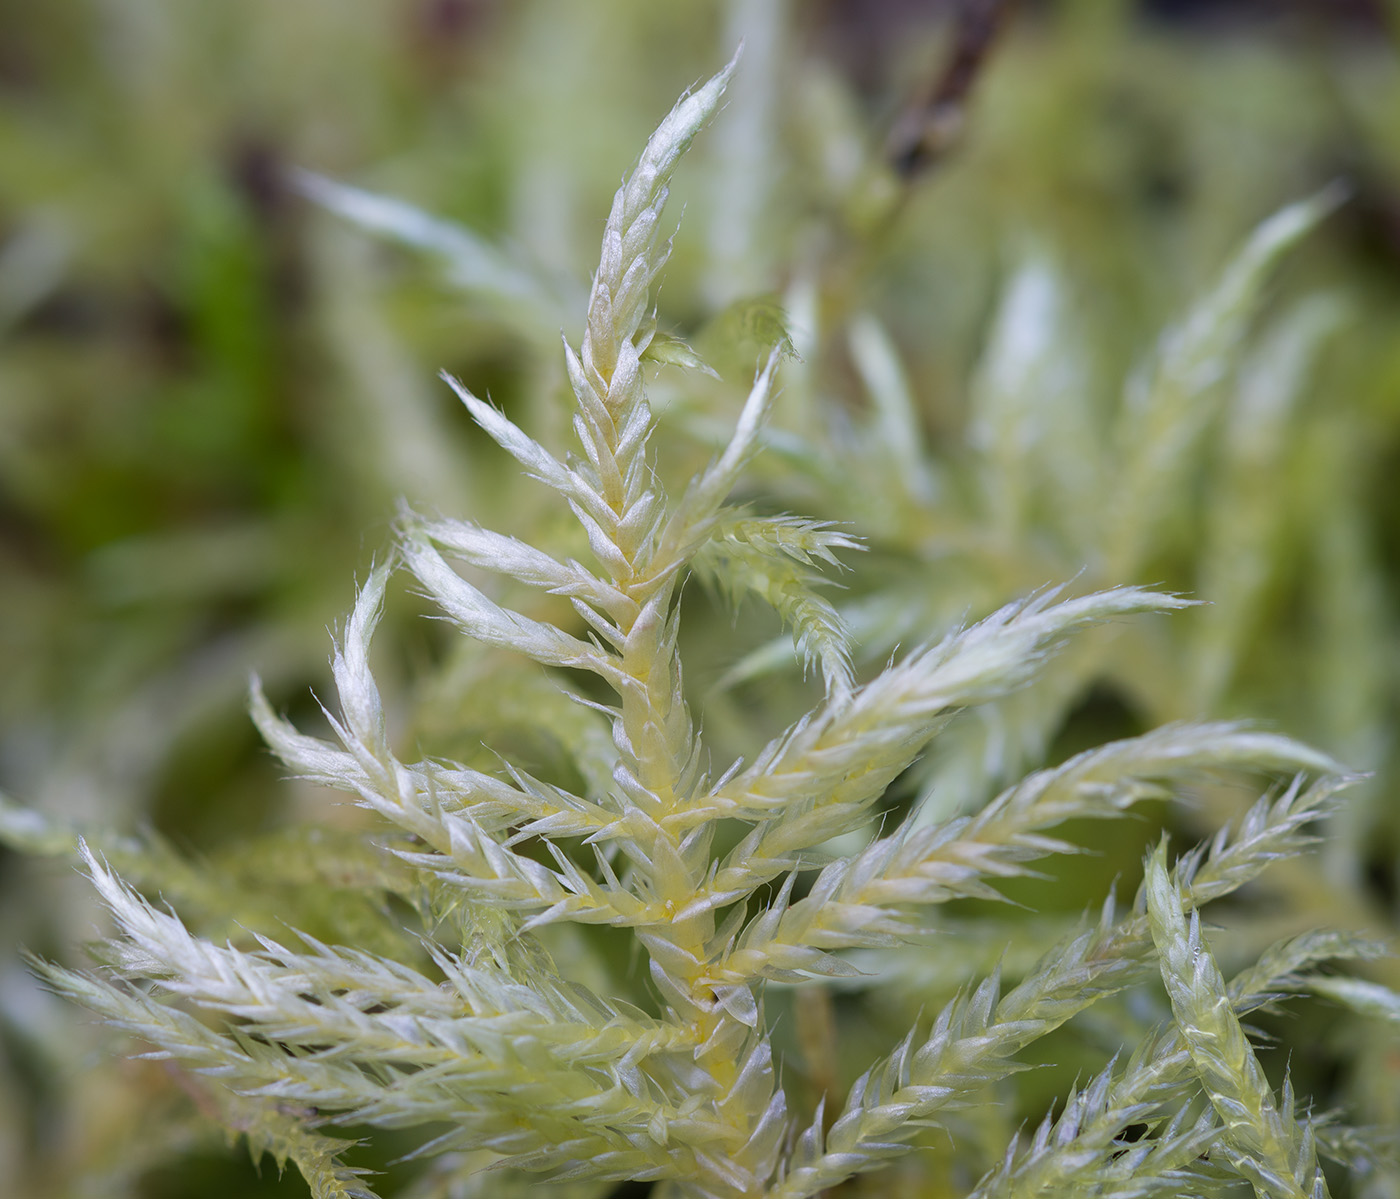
931,126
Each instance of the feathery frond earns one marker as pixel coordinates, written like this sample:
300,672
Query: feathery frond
491,1024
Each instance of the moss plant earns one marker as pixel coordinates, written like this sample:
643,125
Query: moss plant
483,998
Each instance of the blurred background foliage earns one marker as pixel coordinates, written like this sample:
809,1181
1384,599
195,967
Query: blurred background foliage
978,218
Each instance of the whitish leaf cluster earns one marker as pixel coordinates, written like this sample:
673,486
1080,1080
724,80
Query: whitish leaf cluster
1059,471
725,882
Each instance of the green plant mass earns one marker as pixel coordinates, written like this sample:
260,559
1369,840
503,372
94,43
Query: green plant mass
577,971
1017,825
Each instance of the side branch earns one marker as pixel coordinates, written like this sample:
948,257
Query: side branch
872,898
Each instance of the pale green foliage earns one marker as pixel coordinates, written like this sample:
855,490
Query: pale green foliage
283,1137
1061,486
774,558
496,1031
470,262
1261,1137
